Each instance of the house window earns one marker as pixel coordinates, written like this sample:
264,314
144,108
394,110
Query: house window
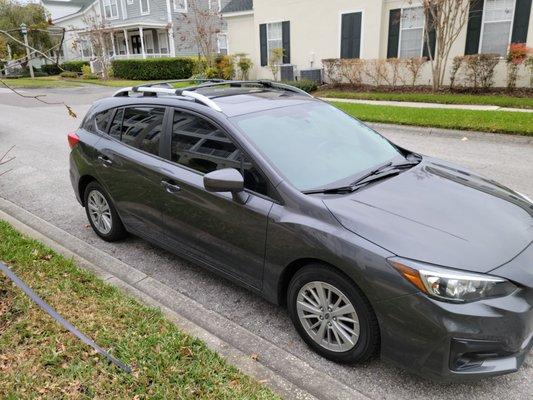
411,32
130,2
163,42
496,29
215,5
85,47
274,37
180,6
110,9
145,7
222,42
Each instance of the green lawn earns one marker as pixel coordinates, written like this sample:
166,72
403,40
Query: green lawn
58,82
39,359
485,121
442,98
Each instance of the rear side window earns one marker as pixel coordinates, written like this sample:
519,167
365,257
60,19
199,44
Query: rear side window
102,120
141,127
115,130
203,147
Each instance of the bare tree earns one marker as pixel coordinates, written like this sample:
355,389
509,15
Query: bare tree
446,18
98,33
274,61
201,25
4,159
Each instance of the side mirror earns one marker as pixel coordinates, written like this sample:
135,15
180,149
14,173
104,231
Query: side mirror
226,180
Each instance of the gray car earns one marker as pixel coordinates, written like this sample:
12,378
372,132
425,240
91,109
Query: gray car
371,247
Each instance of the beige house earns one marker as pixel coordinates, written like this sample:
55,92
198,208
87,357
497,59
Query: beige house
312,30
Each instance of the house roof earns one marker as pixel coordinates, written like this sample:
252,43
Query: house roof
80,4
238,6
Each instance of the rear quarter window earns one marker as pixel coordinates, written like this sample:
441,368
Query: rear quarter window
102,120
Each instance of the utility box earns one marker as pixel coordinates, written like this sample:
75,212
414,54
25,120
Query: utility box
287,72
312,74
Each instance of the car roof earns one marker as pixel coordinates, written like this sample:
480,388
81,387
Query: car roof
231,101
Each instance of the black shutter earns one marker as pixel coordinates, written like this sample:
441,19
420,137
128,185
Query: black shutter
351,35
521,21
394,33
263,44
432,38
473,31
286,40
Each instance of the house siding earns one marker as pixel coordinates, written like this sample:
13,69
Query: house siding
315,33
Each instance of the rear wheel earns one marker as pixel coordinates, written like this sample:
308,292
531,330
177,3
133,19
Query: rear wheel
332,315
102,214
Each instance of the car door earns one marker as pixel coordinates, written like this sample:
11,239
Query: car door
129,167
212,227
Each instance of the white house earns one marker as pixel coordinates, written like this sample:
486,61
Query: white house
312,30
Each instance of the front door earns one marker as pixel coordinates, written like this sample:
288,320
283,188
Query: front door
212,227
136,44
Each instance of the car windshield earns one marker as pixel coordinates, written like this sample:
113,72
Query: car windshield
315,145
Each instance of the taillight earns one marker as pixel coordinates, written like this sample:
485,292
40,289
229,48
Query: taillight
73,139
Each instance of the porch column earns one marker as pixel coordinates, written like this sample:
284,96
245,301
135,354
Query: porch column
113,44
126,39
141,34
171,44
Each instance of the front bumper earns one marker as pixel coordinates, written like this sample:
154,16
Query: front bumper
457,342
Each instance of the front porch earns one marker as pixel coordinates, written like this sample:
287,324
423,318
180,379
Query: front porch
127,42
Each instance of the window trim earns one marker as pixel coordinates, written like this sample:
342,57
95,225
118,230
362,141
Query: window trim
361,41
482,31
110,5
168,156
141,7
183,10
400,34
129,2
267,38
210,2
218,42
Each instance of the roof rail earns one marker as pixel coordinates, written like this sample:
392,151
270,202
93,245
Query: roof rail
170,92
190,91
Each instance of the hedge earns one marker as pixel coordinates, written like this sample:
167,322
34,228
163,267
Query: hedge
154,68
51,69
74,66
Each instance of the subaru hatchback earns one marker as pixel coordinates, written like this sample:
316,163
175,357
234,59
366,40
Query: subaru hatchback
371,247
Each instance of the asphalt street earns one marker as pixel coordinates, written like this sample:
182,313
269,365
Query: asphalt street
39,182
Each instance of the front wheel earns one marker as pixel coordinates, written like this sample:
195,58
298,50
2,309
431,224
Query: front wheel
332,315
102,214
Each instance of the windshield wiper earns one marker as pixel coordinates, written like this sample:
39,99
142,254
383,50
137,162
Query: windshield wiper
383,171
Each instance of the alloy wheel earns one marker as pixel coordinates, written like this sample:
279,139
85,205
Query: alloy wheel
328,316
100,212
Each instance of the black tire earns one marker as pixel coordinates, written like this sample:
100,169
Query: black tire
367,343
117,231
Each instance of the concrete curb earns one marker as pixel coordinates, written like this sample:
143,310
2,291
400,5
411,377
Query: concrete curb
281,371
412,104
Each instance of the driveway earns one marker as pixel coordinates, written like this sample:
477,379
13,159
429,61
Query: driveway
39,183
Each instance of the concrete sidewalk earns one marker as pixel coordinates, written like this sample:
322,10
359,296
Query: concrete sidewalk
473,107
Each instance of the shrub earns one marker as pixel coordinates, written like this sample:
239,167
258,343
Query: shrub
413,66
332,70
351,70
480,69
244,63
376,71
68,74
516,56
456,66
304,84
154,68
74,66
225,66
51,69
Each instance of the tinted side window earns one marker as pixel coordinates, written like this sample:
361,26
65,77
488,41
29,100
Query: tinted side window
102,119
200,145
116,126
142,127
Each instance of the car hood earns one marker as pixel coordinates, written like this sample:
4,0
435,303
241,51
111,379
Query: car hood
440,214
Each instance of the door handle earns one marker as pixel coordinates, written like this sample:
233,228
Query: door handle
170,187
106,162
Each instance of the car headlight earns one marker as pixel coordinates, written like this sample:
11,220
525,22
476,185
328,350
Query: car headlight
452,285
